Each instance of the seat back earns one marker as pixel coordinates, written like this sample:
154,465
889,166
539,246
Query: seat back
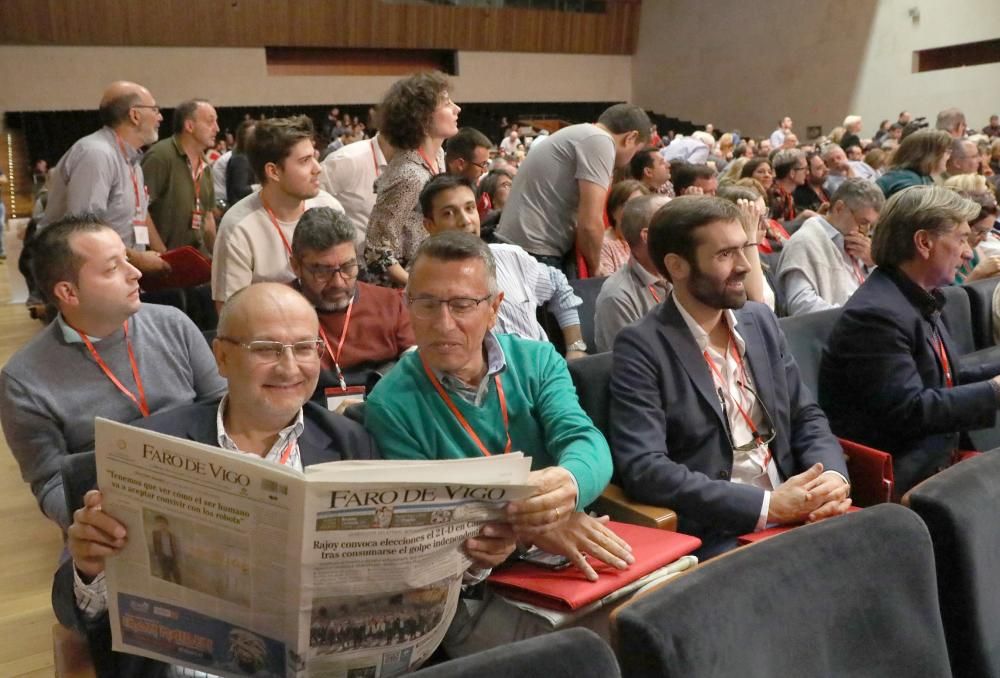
960,507
850,596
572,653
592,378
587,289
806,336
957,317
981,308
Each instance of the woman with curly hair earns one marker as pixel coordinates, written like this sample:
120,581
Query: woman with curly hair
416,116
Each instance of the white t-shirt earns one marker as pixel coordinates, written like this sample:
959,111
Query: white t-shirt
349,175
248,248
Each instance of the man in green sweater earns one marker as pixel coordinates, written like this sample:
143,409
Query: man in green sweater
467,392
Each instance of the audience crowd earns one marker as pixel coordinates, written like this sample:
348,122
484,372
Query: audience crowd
416,267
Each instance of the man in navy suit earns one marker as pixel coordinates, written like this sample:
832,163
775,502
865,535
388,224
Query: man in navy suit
890,376
708,414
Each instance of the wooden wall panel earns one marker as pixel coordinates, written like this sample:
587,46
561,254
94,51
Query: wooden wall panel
317,23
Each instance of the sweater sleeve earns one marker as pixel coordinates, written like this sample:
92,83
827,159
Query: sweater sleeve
572,440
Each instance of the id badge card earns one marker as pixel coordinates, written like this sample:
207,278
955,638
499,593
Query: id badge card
336,395
141,232
196,220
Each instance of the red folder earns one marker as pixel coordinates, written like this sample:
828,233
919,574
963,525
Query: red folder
568,589
188,268
754,537
872,480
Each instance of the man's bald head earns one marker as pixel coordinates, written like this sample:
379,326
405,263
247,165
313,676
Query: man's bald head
236,318
118,99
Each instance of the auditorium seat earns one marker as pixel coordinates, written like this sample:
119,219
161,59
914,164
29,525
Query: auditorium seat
806,336
592,377
850,596
957,317
588,289
573,653
960,507
980,295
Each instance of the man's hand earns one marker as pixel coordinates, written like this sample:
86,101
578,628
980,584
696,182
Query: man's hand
831,490
796,498
94,535
554,502
492,545
859,246
693,190
986,268
750,218
348,402
573,355
149,263
582,535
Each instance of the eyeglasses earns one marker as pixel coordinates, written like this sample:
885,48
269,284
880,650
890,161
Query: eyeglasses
347,271
267,352
152,107
484,165
759,439
800,169
426,308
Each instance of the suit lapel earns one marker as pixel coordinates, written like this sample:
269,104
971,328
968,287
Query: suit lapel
314,443
681,342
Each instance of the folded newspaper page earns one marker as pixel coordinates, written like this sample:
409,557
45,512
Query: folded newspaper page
240,567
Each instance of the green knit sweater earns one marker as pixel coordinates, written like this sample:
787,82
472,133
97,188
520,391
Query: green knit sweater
410,420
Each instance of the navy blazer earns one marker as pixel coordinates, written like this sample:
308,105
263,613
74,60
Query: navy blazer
668,434
325,437
882,383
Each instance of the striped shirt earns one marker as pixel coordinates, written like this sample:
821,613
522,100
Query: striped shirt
526,284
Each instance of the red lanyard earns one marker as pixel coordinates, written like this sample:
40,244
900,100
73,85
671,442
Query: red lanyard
461,418
433,169
141,400
274,220
288,452
335,355
196,178
722,385
857,271
131,172
375,158
943,357
656,297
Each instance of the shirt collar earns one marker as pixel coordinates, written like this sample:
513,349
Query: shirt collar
928,303
836,236
291,432
701,336
132,154
496,363
644,277
71,336
379,155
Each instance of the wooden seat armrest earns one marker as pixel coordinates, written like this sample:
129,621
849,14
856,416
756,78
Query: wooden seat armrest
72,654
615,504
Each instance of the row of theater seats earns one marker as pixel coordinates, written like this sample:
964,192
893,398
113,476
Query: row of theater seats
888,591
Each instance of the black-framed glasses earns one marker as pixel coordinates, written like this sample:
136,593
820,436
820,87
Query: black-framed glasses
152,107
759,438
266,352
348,271
426,308
484,165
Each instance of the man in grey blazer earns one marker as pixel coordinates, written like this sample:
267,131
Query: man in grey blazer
708,414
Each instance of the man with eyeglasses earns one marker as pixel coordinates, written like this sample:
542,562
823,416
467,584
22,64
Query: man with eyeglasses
100,174
467,392
467,154
708,413
364,328
829,257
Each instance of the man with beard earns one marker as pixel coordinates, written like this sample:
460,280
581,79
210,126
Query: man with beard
709,415
365,327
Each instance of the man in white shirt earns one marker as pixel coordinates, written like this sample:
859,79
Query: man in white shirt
778,136
255,236
829,257
349,175
510,142
449,204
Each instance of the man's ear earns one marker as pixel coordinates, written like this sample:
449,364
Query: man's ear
923,241
271,172
677,266
221,356
495,308
65,292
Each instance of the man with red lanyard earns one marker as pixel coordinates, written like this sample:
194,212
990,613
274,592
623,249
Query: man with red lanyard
254,242
105,355
467,392
100,174
349,175
269,352
891,376
708,414
181,192
635,288
364,328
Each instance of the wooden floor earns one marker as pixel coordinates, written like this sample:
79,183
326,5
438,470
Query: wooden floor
31,545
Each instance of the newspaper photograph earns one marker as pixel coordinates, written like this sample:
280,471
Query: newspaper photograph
239,567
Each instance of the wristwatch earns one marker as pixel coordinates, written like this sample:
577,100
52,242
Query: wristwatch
578,345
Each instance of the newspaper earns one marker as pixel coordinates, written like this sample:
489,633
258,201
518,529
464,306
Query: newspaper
239,567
